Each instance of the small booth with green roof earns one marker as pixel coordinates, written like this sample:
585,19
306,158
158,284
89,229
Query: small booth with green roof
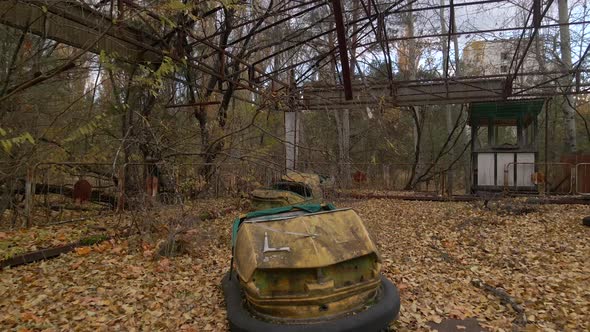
504,137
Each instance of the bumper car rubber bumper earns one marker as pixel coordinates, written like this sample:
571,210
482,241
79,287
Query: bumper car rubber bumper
373,319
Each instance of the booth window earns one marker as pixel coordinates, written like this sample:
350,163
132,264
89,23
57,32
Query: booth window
481,140
506,136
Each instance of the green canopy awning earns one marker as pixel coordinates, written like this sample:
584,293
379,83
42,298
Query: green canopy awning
505,113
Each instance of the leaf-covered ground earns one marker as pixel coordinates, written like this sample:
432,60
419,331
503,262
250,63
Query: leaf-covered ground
15,242
432,251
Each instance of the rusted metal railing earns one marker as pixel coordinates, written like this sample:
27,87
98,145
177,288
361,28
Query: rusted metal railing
542,177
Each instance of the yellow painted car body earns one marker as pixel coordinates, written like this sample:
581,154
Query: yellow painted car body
297,265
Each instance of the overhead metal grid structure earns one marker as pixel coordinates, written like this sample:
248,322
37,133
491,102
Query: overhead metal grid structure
320,50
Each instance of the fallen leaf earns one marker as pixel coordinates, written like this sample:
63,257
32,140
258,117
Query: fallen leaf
83,251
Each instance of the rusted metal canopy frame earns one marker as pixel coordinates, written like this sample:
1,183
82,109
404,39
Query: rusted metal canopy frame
382,30
370,17
323,91
536,24
317,65
320,57
150,50
367,45
459,33
217,49
308,72
561,74
82,24
343,50
385,13
448,55
535,27
410,93
284,10
476,32
388,11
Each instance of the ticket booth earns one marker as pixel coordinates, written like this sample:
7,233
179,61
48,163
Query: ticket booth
504,144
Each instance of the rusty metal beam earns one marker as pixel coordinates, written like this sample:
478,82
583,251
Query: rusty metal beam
477,32
319,58
451,29
388,11
343,50
275,13
206,42
79,26
534,198
536,25
537,18
205,103
317,97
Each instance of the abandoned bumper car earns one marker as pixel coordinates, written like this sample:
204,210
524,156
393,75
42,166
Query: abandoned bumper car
293,188
306,268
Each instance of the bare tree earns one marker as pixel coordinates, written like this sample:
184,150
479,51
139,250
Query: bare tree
569,112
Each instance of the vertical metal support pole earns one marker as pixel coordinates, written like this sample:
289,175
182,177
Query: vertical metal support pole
386,178
217,182
574,178
520,132
291,128
547,103
491,132
506,177
342,49
290,139
29,197
473,159
121,199
442,180
346,148
296,147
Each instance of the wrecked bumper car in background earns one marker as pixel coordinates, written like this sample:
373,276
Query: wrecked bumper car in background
294,188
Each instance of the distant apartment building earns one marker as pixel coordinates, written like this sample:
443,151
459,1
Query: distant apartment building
494,57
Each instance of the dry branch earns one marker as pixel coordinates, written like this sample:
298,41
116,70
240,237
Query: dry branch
505,299
445,256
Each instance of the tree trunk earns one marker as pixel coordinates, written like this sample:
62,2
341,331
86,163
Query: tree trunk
417,120
569,113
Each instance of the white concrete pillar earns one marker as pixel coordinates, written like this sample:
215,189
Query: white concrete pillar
291,139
